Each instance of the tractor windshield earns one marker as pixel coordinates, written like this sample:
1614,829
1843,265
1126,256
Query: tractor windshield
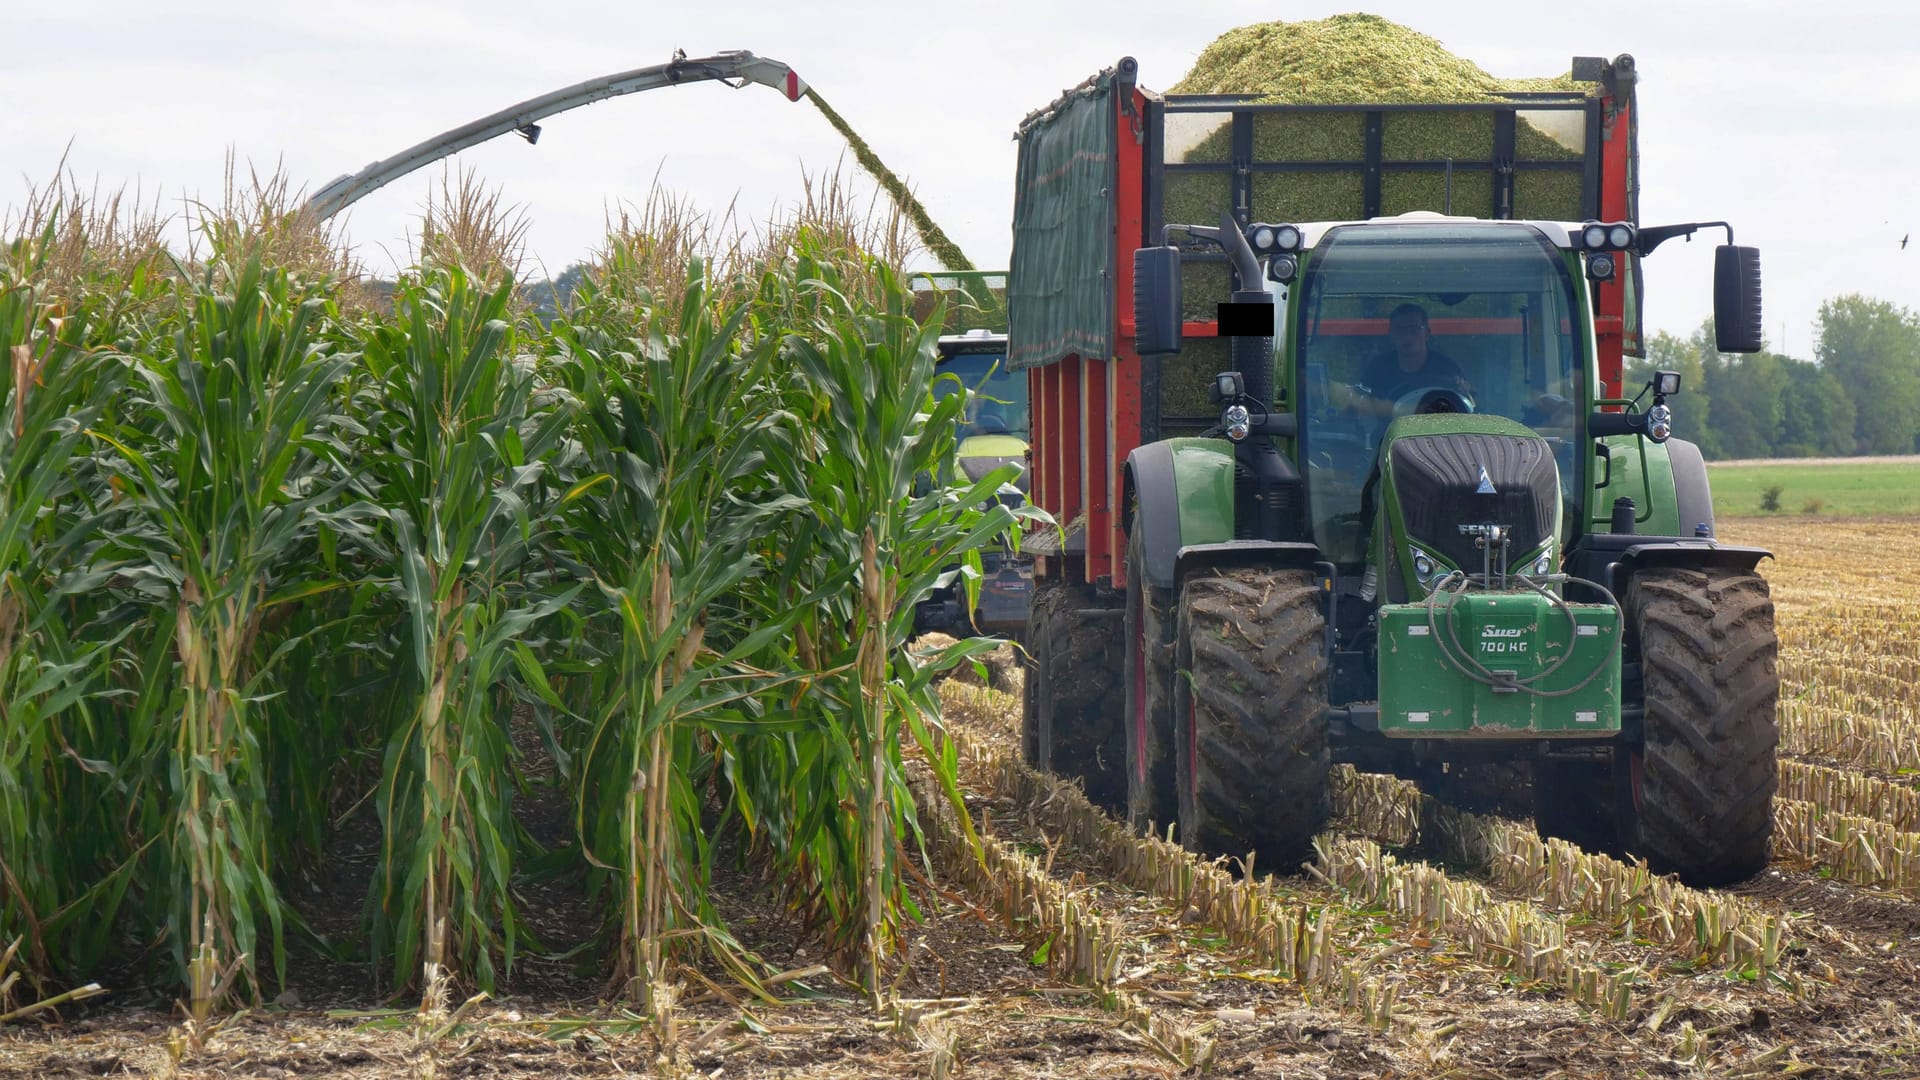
1000,403
1400,318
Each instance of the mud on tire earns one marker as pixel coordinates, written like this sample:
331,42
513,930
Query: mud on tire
1075,697
1250,714
1707,773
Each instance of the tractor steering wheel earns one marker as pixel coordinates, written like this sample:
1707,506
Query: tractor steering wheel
1432,399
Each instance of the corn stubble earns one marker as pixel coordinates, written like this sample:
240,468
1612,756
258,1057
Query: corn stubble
271,554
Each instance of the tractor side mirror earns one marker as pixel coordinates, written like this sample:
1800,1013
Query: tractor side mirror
1736,299
1157,300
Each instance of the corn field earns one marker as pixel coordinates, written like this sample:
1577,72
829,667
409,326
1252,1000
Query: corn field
282,559
270,553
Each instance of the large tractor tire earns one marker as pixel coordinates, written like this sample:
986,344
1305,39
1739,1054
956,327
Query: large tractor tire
1073,724
1152,801
1699,794
1250,700
1574,801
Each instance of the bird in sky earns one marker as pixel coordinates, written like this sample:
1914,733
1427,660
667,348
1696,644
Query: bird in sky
1903,242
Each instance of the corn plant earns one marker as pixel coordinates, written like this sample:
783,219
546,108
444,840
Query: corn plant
886,524
228,450
53,387
459,448
677,438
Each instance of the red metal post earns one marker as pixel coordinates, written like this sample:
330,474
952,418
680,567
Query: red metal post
1609,316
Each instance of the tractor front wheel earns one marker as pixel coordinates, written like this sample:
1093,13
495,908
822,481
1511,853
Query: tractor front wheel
1249,710
1700,805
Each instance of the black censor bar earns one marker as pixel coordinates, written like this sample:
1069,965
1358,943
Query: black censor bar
1245,320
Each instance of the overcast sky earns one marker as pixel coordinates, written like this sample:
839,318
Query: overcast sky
1798,122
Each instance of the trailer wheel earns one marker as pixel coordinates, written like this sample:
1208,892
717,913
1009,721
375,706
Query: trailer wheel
1700,801
1574,801
1032,648
1151,798
1078,695
1250,729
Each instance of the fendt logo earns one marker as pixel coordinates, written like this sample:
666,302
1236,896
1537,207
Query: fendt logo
1501,631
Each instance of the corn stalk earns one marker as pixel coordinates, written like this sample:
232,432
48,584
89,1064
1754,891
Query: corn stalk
463,447
229,456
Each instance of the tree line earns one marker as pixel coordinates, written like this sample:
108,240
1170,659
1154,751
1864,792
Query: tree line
1860,394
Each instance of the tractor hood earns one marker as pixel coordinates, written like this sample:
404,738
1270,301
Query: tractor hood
1443,471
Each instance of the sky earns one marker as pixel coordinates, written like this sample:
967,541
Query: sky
1798,123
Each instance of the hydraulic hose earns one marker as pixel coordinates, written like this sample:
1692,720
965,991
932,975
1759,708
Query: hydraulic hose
1455,585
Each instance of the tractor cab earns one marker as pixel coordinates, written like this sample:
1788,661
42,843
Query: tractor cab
993,432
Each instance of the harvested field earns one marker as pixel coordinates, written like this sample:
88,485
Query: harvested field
1420,940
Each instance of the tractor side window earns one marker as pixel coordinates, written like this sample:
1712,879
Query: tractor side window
1400,319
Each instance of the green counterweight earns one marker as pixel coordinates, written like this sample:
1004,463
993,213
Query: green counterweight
1473,665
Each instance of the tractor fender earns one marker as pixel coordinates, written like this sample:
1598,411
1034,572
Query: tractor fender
1679,554
1692,497
1180,491
1229,554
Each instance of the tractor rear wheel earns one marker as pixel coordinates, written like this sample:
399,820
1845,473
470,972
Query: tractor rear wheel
1151,798
1250,698
1078,696
1700,797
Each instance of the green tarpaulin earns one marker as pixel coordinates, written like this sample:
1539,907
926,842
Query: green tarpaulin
1060,287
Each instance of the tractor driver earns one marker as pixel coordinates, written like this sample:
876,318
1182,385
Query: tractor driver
1409,363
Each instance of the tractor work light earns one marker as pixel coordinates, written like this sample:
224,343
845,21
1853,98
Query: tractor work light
1281,268
1606,236
1600,267
1666,382
1267,239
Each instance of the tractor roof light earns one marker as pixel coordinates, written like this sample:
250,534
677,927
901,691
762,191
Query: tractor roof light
1267,239
1606,236
1600,267
1282,268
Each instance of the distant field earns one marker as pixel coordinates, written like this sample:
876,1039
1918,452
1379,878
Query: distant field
1828,487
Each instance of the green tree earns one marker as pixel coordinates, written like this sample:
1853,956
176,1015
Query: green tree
1749,395
1873,348
1817,417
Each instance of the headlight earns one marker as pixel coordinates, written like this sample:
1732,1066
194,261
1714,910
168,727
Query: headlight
1238,422
1424,568
1620,236
1543,565
1594,236
1286,238
1262,238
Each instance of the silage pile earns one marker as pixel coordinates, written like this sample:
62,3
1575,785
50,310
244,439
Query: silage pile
1346,58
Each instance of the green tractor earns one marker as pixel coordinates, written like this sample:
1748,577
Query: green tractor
1421,539
994,432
